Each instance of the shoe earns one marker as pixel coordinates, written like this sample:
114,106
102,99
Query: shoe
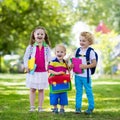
40,109
62,111
55,110
77,111
89,111
32,109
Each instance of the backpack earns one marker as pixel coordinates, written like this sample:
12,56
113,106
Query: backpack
88,59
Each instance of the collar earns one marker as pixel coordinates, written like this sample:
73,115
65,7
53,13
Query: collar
43,44
56,60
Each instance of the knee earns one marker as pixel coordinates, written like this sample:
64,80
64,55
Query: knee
41,90
33,90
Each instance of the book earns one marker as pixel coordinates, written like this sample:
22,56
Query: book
33,70
31,63
76,68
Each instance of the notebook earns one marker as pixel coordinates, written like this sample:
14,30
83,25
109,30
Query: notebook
76,62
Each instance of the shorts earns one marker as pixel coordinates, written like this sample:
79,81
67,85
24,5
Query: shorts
59,98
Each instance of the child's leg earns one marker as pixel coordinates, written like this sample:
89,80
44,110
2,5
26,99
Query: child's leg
32,96
55,106
62,107
89,94
79,92
40,97
63,101
55,109
40,100
54,101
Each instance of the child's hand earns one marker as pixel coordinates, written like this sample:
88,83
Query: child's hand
60,73
71,66
26,70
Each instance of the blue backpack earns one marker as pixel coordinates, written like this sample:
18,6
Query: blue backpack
88,60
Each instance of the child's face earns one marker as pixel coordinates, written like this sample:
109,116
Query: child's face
39,35
60,53
83,42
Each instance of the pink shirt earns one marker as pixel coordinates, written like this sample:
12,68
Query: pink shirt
40,60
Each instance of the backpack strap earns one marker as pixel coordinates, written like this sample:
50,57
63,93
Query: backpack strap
88,55
88,61
66,65
77,53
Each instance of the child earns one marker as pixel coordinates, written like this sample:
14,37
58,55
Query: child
86,39
58,67
39,50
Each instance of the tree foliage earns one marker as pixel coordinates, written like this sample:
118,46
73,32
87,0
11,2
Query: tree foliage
93,11
20,17
106,44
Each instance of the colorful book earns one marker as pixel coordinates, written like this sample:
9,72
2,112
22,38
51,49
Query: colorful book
31,63
76,62
33,70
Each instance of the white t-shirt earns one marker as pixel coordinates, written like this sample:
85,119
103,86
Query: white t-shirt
92,56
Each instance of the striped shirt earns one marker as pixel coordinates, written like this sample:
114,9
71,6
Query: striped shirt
57,66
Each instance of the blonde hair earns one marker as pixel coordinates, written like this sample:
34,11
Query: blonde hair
60,45
88,36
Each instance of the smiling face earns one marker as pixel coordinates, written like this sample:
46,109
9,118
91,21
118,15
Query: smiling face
60,52
84,43
39,35
86,39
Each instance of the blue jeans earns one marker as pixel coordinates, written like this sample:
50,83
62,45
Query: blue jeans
79,83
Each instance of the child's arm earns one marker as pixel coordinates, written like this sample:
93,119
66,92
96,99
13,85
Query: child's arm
26,56
71,66
91,65
56,73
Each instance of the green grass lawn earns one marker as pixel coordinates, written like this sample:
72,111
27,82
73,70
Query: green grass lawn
14,101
